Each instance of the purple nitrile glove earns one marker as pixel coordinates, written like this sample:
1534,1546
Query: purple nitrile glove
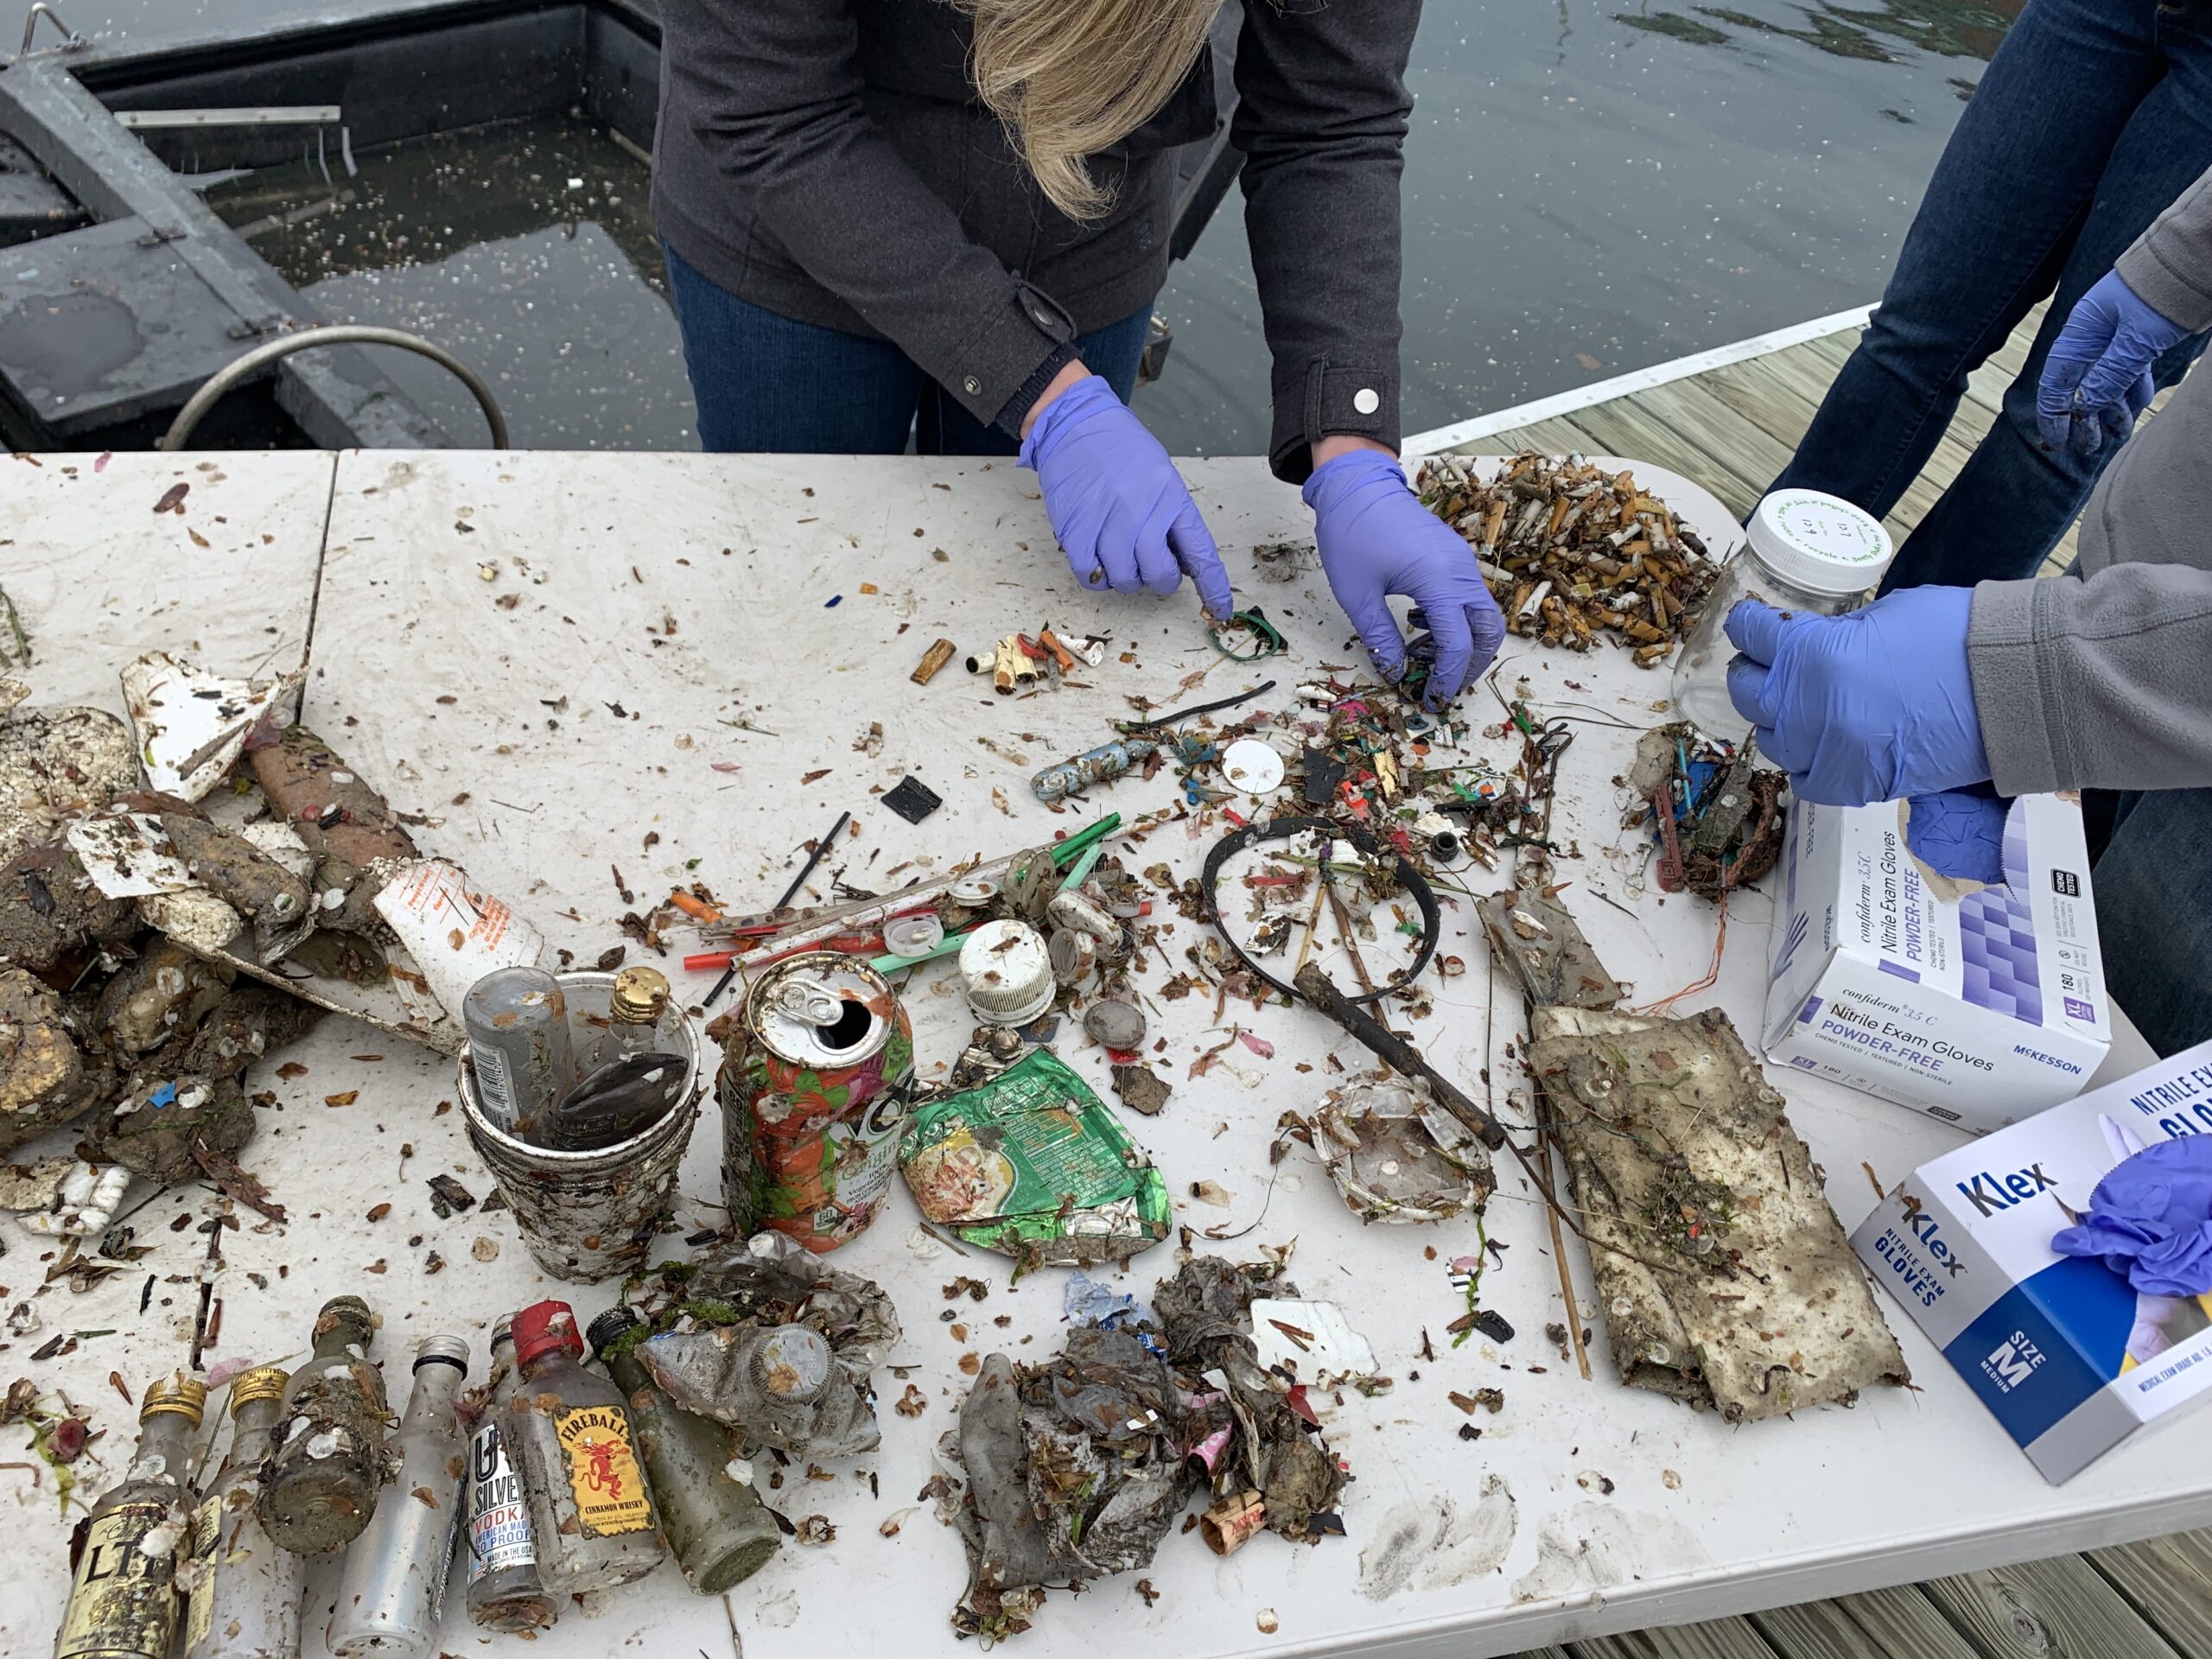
1959,832
1376,539
2097,379
2150,1219
1124,517
1875,705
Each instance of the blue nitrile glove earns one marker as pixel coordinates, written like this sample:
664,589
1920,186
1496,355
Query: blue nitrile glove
2097,379
1875,705
2150,1219
1959,832
1376,539
1124,517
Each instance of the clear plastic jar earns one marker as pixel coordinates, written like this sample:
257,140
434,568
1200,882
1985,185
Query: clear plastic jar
1804,551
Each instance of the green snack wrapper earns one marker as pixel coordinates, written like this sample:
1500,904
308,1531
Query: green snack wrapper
1033,1165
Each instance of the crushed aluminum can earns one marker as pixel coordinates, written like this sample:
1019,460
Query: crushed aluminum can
814,1088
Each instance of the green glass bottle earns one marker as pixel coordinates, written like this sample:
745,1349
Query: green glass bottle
716,1524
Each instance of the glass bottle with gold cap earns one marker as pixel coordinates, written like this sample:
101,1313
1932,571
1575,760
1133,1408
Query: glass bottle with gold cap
636,1072
244,1594
123,1600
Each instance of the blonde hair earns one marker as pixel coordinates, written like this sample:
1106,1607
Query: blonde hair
1070,77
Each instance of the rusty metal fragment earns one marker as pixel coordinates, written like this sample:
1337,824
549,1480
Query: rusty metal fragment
1724,1277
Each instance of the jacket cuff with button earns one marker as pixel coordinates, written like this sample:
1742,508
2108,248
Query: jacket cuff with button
988,372
1331,400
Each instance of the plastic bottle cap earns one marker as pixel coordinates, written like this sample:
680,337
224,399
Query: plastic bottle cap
543,1326
1007,973
913,935
262,1382
442,1351
639,998
615,1323
187,1396
792,1362
975,890
1116,1024
1818,542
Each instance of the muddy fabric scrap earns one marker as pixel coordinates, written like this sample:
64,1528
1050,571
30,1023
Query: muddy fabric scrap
1079,1465
1725,1278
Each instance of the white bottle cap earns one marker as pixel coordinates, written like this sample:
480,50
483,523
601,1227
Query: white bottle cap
1007,973
1818,542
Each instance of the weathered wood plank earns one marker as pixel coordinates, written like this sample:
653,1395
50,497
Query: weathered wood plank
1883,1624
2169,1581
1721,1638
2058,1609
1625,427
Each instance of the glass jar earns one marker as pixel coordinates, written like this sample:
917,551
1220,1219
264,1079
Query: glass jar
1804,551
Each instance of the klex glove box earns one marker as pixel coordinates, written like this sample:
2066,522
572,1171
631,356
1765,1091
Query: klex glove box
2063,1349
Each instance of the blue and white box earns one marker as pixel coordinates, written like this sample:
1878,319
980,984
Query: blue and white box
1978,1004
2068,1356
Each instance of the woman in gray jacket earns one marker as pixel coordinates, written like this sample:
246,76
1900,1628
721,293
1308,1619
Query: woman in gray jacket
886,215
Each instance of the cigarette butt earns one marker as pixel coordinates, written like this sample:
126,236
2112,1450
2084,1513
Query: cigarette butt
1051,641
933,659
694,907
1231,1523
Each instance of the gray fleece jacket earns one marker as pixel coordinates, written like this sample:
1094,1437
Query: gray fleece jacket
2103,679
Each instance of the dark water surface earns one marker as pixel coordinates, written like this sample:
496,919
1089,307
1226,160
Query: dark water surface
1588,190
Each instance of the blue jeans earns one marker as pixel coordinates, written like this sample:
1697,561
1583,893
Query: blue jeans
2152,878
2093,116
765,382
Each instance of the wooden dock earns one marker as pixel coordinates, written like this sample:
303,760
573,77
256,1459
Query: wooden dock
1731,426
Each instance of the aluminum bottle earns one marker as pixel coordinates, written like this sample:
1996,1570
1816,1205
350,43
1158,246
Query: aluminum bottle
504,1593
716,1524
518,1024
320,1486
245,1601
590,1511
392,1591
122,1601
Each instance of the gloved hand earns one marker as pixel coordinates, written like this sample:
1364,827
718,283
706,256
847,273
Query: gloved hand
1376,539
1959,832
2097,379
1123,513
2150,1219
1875,705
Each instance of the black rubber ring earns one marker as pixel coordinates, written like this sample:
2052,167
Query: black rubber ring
1415,883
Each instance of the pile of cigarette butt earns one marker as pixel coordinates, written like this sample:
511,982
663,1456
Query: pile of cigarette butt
1571,551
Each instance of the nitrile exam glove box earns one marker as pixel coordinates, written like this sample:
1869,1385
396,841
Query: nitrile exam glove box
1979,1004
2063,1349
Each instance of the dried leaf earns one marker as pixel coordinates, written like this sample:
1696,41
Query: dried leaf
344,1099
814,776
1259,1046
173,500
